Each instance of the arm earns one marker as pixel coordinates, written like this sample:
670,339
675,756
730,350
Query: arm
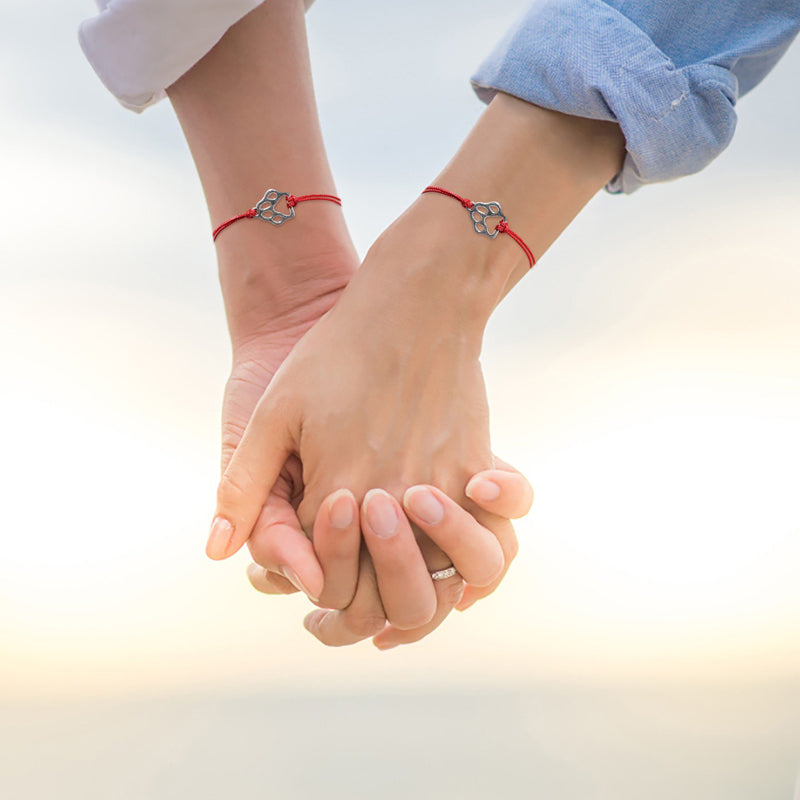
410,394
248,130
669,74
249,115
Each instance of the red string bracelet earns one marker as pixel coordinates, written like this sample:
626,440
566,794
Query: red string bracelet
266,208
480,212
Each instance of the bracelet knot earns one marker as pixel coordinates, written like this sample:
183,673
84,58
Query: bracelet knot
266,209
479,213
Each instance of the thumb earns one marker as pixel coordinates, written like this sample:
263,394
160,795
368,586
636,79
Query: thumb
249,477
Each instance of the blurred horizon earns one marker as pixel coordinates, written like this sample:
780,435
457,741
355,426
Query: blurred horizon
563,743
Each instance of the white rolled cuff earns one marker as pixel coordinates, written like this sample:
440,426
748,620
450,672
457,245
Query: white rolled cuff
140,47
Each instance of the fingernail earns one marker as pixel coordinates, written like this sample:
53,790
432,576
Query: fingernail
381,513
422,503
465,606
482,490
383,646
341,510
291,576
219,538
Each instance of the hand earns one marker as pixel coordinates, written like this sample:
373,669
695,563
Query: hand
258,352
457,524
276,283
411,393
502,492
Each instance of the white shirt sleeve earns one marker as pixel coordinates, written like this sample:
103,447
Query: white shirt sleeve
139,47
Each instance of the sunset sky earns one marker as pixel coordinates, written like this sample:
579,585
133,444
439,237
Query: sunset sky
645,376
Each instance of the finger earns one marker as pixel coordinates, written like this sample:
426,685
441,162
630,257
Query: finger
279,545
266,582
505,493
248,479
337,542
513,500
448,594
363,618
472,548
404,583
504,531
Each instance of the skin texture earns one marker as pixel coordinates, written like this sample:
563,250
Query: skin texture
411,395
274,287
388,416
502,492
243,128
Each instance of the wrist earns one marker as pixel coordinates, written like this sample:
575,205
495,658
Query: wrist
432,254
541,166
283,288
249,128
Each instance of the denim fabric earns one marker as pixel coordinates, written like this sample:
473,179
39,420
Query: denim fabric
668,71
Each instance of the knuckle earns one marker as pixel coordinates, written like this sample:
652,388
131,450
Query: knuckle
410,622
336,600
231,436
342,547
262,551
234,487
450,594
306,514
336,562
365,624
494,566
488,573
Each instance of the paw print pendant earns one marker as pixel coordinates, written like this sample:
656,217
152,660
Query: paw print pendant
481,212
266,208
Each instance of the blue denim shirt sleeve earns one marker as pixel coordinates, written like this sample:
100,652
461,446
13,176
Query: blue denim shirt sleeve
668,71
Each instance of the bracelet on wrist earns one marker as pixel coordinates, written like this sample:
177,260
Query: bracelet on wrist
266,208
482,214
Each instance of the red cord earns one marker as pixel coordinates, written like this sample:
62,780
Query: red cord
247,215
502,226
291,202
463,200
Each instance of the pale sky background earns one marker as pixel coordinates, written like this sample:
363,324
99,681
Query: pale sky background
645,376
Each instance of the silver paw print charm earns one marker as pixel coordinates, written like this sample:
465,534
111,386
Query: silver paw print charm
266,208
481,212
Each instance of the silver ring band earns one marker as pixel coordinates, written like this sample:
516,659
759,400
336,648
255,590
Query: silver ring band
444,574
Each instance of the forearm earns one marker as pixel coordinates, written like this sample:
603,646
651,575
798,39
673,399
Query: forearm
249,115
541,166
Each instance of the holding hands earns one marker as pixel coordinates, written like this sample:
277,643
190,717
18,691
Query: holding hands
356,457
400,406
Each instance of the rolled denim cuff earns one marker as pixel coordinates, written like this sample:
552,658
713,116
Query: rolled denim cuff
583,58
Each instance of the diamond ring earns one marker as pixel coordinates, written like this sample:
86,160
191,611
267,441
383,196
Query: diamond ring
444,574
